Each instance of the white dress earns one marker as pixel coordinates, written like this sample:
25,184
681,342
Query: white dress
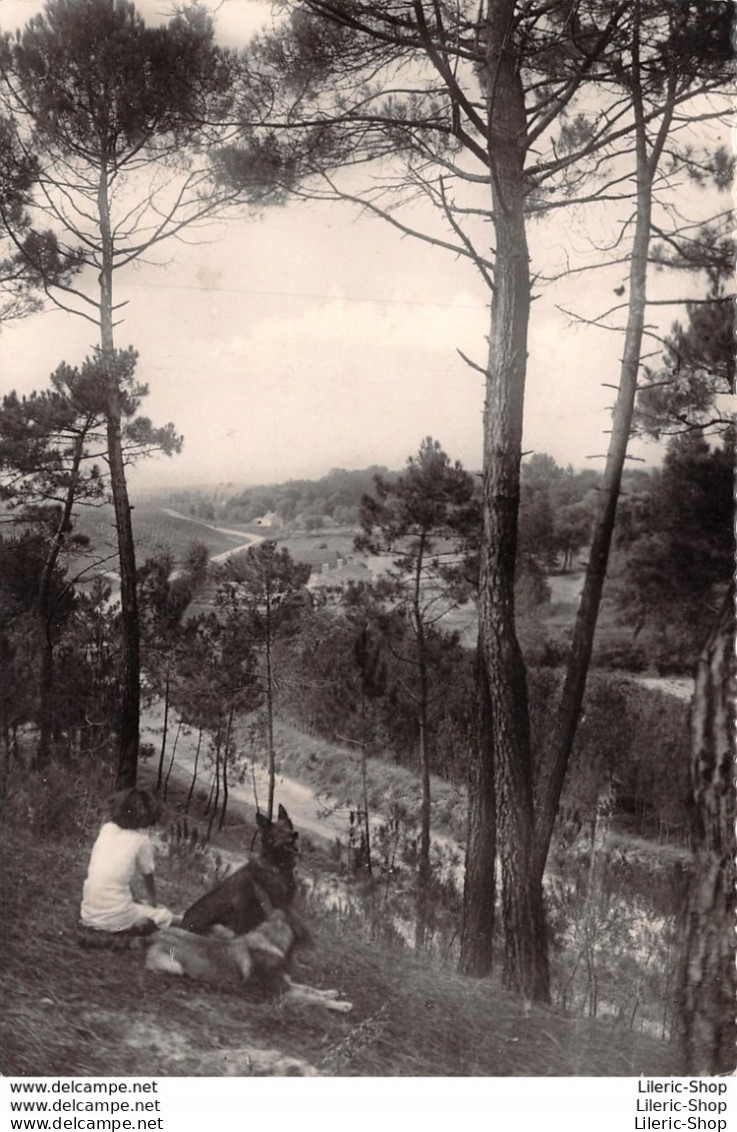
119,856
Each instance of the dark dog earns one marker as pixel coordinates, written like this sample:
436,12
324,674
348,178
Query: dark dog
248,897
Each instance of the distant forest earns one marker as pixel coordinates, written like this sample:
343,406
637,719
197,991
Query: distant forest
335,497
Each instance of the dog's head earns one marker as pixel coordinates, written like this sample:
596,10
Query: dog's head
279,840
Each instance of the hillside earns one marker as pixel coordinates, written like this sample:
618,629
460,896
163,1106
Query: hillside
72,1012
612,887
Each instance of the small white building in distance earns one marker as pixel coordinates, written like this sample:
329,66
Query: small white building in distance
270,519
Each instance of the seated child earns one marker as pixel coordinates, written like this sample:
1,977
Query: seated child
123,851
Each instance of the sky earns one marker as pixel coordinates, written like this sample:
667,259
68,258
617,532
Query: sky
311,337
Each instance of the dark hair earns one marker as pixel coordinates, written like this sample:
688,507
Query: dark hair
133,809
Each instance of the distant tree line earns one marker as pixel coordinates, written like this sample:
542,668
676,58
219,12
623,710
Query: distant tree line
333,500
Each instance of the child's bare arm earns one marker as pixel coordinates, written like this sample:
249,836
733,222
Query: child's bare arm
150,885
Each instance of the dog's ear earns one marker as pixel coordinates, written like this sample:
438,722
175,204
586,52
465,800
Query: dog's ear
284,816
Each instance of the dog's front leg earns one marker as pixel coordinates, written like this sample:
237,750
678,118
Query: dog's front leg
313,996
314,992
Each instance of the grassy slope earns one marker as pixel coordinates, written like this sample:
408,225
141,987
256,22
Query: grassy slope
73,1012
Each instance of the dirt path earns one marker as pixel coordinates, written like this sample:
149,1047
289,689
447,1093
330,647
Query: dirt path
321,818
679,686
229,532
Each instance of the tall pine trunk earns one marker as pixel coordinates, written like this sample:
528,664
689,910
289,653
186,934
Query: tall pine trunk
479,890
708,979
164,733
226,752
173,757
46,612
503,695
194,772
552,768
423,872
130,693
271,755
216,785
364,776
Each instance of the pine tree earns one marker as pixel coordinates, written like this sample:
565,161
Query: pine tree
423,518
121,116
262,592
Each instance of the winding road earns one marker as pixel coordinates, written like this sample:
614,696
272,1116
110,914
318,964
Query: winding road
230,532
322,818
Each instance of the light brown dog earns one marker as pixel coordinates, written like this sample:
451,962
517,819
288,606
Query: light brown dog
261,955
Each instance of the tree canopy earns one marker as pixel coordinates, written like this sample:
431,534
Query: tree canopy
30,259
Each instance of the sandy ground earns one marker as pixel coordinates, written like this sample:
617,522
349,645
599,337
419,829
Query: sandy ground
565,588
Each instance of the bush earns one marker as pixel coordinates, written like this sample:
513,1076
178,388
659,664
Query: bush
190,855
540,648
613,920
630,738
623,656
64,801
676,654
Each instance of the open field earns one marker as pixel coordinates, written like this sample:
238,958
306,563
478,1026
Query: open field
156,526
315,548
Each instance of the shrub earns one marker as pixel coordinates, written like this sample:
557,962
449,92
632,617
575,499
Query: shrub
188,852
627,656
630,737
541,648
64,801
613,914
